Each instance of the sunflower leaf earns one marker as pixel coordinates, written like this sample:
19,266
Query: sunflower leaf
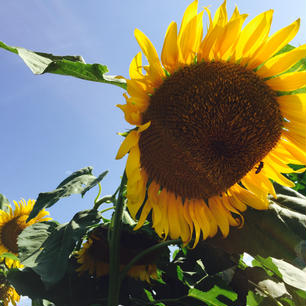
78,182
75,66
288,273
46,247
211,297
4,203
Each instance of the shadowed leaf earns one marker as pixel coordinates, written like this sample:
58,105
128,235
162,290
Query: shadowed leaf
78,182
46,247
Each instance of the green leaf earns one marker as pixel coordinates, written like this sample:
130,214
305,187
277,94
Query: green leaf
4,203
78,182
290,274
267,264
211,297
46,247
26,282
75,66
94,183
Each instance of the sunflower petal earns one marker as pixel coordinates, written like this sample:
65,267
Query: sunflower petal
130,141
169,55
282,62
149,51
274,43
135,67
253,35
288,82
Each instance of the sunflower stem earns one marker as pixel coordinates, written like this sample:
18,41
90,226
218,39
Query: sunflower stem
145,252
105,199
114,256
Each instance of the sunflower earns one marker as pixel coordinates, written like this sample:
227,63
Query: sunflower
217,118
7,293
13,223
93,257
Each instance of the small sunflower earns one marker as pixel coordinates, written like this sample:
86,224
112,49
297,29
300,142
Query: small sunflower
12,223
7,293
93,257
216,120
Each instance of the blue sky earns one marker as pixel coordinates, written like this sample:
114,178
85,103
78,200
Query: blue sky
53,125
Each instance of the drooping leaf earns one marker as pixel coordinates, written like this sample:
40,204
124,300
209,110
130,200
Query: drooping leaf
4,203
78,182
211,297
45,247
75,66
94,183
285,271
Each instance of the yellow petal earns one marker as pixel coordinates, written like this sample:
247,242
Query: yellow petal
295,151
133,161
254,185
293,107
192,208
274,174
220,17
208,42
274,43
163,202
190,39
202,218
136,88
234,200
144,214
169,55
190,12
296,128
143,127
130,141
249,198
231,33
227,204
173,219
218,212
253,35
135,67
288,81
149,51
282,62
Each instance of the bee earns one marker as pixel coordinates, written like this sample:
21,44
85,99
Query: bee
259,168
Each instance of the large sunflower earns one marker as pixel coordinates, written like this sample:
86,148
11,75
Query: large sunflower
93,257
216,121
12,223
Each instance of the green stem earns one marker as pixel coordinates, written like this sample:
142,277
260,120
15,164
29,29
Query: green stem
114,256
145,252
107,209
98,196
105,199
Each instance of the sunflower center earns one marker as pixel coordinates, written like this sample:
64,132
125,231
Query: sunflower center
210,124
10,233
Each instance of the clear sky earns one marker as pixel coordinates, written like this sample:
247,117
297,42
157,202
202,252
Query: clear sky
53,125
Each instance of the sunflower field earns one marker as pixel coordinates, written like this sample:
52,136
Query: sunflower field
211,206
